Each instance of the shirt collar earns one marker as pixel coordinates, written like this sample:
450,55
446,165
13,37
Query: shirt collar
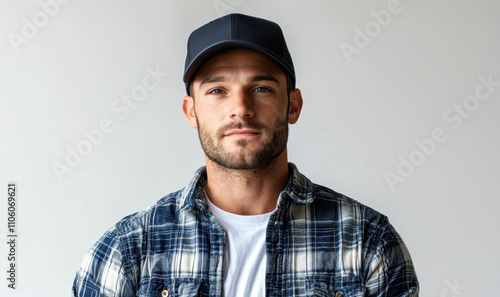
193,191
299,188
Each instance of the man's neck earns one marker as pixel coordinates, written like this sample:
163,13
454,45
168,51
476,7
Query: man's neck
247,192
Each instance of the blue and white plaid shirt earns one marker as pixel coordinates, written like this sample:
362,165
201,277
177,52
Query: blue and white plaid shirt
319,243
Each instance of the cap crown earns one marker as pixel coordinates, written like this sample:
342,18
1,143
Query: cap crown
236,31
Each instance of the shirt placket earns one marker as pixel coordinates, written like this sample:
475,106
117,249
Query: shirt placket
217,255
274,254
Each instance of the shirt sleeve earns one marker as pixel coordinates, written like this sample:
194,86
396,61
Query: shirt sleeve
103,272
390,270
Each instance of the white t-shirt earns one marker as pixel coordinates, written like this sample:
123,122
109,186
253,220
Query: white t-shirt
245,261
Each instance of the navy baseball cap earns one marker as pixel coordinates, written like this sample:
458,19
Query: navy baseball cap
236,31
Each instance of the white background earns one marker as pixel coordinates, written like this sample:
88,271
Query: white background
358,118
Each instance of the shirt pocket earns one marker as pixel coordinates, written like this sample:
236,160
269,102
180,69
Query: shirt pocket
182,287
325,286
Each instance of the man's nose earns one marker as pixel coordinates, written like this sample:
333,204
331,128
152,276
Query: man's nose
241,105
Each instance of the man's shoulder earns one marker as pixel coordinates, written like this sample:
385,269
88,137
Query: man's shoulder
164,214
164,210
346,207
328,203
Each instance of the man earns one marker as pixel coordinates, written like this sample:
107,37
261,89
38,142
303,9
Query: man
248,224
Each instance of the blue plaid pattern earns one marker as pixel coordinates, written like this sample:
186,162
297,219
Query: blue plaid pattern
319,243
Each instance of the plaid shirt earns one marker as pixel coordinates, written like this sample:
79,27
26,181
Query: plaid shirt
319,243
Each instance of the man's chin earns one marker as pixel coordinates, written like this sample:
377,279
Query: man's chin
236,163
240,166
242,162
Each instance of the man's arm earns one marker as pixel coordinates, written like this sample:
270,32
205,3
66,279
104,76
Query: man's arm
390,271
102,272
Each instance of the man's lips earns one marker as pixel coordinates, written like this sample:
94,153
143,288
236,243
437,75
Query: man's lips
242,133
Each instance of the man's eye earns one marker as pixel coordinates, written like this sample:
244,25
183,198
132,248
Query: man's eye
215,91
262,89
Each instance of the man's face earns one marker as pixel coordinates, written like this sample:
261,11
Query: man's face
241,109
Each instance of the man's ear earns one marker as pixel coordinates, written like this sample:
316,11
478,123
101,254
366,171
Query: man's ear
295,106
188,108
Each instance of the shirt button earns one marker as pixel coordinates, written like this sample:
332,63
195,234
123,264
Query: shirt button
339,294
164,293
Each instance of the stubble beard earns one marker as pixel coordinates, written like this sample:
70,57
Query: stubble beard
260,158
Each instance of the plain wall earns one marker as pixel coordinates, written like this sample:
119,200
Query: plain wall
392,119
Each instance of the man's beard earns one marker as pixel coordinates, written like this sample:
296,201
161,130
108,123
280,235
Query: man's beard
260,158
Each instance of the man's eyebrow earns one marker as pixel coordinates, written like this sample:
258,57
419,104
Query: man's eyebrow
264,78
254,79
212,80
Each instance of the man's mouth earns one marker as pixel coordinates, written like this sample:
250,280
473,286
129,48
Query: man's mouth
242,133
